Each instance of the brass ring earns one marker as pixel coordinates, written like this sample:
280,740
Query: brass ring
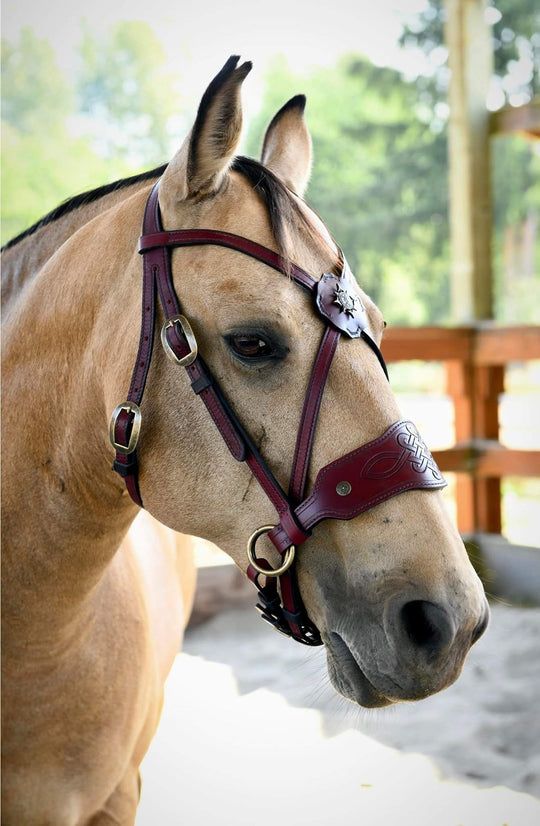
288,559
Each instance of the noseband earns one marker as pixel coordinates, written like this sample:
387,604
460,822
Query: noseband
396,461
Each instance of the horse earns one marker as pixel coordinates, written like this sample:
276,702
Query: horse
93,616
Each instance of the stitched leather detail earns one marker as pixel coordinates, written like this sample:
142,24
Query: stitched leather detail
268,484
395,462
146,340
293,530
421,459
280,539
310,413
232,440
201,237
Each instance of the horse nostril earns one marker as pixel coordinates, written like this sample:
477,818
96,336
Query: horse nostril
482,625
427,626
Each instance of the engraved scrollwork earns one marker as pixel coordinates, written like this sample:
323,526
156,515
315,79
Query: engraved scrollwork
384,464
387,463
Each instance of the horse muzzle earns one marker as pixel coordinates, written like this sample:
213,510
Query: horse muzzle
416,649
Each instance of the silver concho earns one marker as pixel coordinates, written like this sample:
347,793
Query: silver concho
346,302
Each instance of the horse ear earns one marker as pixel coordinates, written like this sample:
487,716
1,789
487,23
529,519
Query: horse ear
287,145
200,165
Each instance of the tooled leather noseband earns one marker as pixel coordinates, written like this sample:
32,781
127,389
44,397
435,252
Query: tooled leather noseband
396,461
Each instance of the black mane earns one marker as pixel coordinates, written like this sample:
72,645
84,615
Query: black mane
282,208
80,200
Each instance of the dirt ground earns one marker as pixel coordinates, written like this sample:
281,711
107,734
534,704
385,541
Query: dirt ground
252,732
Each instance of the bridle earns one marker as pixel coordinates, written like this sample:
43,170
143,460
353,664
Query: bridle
396,461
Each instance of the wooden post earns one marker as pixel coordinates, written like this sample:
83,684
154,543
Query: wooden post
475,392
488,385
459,386
475,389
470,60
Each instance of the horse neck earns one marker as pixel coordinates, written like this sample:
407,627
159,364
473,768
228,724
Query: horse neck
65,512
21,262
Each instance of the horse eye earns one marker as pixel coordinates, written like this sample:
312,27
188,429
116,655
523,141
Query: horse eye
247,346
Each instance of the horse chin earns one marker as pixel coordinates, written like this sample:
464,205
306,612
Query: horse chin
348,678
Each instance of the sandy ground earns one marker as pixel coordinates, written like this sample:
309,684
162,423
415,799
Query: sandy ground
252,733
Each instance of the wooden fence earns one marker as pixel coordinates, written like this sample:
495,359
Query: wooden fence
475,358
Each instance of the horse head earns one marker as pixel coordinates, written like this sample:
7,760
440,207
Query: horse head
389,587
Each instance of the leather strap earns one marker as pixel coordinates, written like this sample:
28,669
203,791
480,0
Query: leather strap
310,413
201,237
395,462
126,464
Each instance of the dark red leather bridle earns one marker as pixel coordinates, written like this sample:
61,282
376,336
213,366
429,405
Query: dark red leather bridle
396,461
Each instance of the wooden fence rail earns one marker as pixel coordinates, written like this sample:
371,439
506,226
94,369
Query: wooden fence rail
475,359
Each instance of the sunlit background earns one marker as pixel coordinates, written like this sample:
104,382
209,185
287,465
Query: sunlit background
94,92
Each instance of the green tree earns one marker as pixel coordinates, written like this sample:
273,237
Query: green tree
124,103
126,93
378,181
34,91
42,162
41,171
515,41
515,164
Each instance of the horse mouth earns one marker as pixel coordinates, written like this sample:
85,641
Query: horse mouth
348,678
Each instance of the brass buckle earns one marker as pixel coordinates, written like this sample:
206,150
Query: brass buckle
129,407
288,559
185,361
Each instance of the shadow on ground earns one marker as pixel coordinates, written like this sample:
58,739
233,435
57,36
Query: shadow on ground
484,729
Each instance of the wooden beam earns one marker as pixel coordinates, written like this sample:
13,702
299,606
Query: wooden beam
524,120
478,344
475,392
470,60
487,459
505,344
475,357
428,343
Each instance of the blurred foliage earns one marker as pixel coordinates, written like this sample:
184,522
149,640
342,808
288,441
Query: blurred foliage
378,180
126,93
46,162
43,172
516,48
516,223
34,90
380,172
61,140
515,161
